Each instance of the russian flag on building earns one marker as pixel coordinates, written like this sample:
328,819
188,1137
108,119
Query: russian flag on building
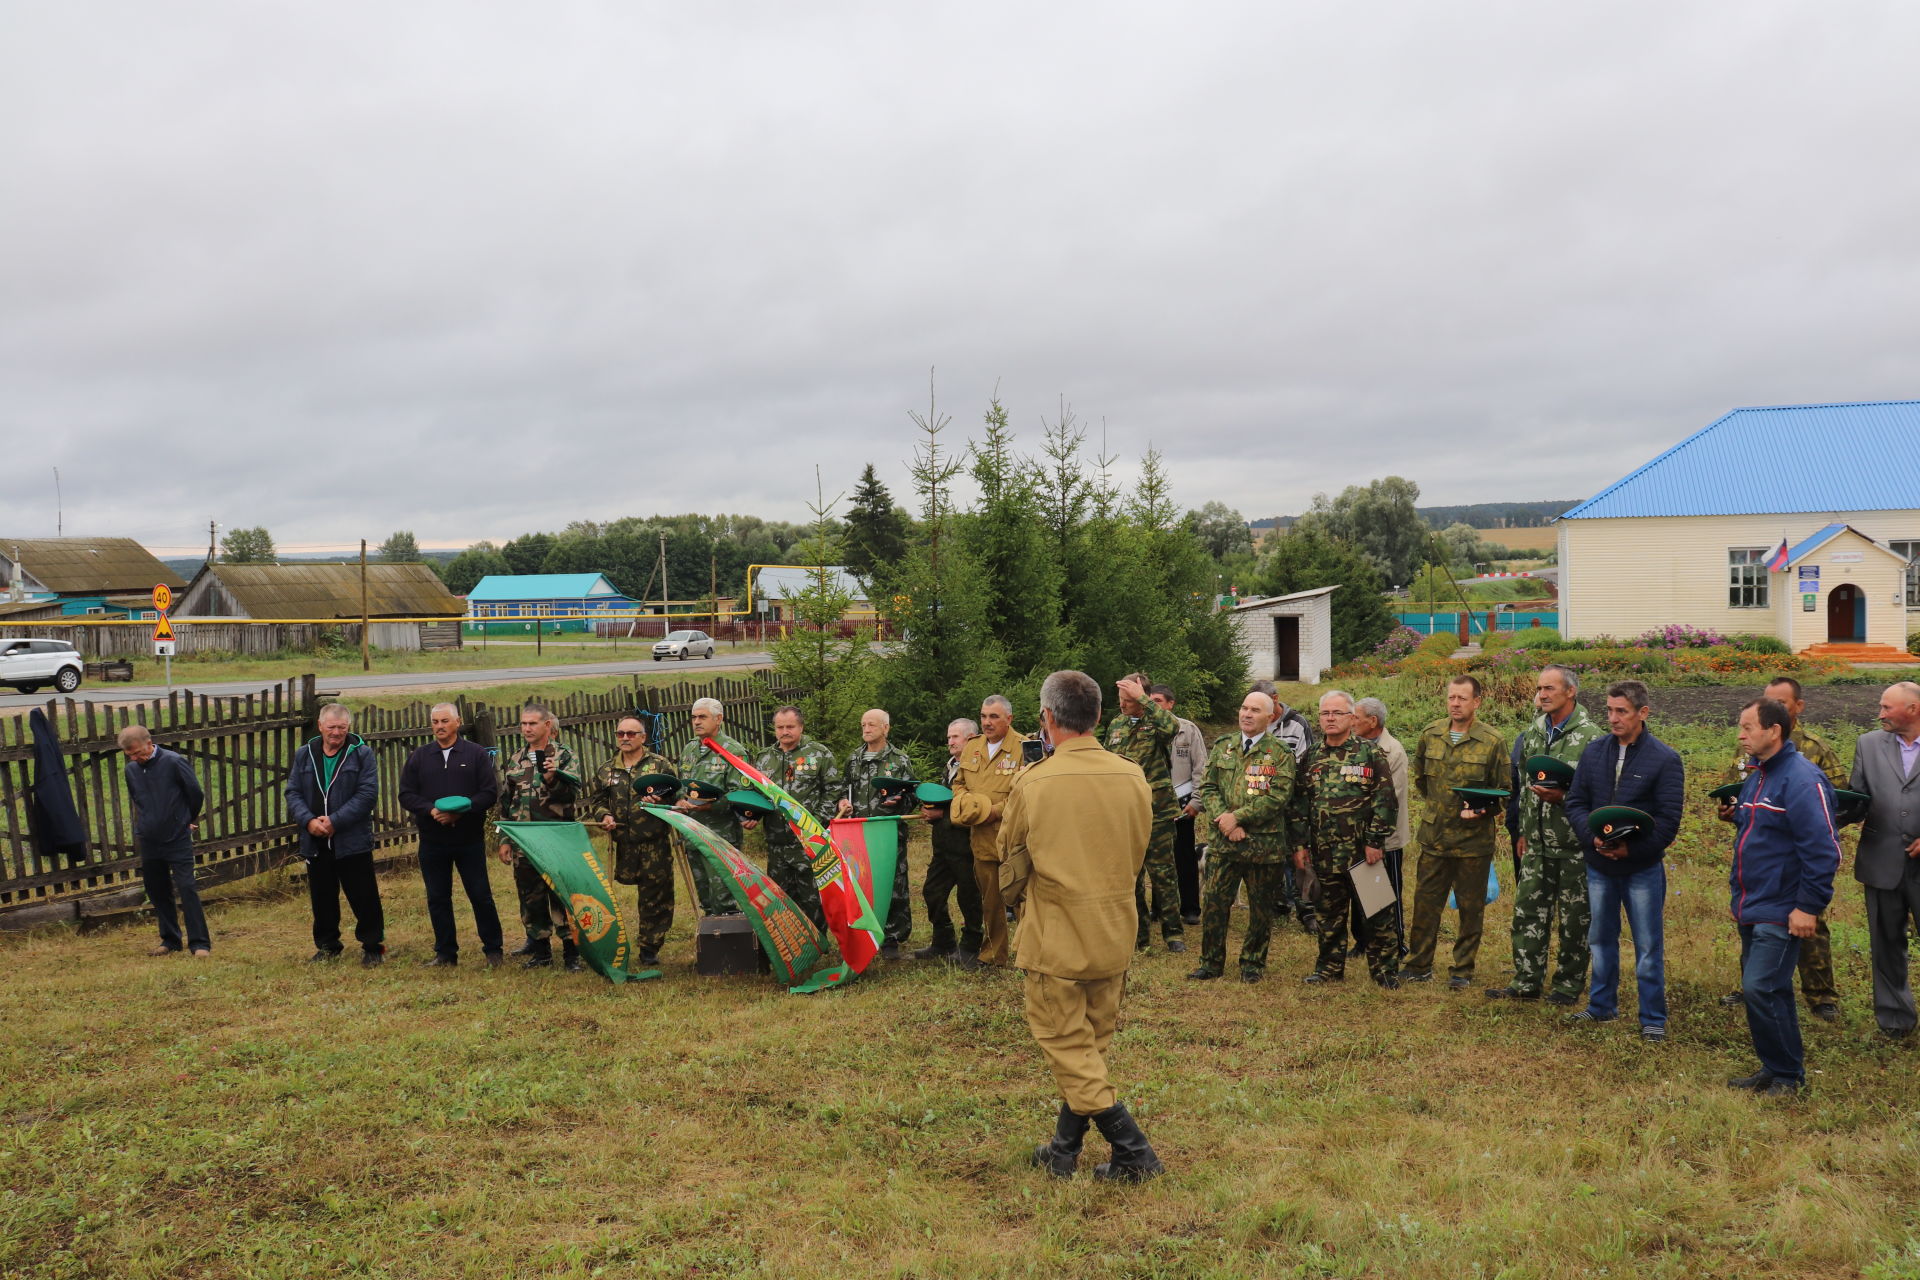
1777,562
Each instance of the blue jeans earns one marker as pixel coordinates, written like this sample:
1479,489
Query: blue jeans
1768,957
1644,895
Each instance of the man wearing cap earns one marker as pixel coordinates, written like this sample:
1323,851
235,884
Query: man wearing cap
458,772
1341,814
1786,852
1457,834
700,763
1244,796
636,776
982,780
1143,732
540,784
1189,763
1553,871
874,760
1626,799
1886,769
950,870
806,769
1817,984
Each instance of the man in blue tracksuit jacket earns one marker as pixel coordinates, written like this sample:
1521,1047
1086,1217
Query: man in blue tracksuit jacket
1786,849
330,797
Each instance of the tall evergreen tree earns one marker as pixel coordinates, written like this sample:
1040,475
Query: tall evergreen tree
876,536
1004,535
1308,558
836,674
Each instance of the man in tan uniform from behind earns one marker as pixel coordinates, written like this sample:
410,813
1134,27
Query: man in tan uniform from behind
1073,839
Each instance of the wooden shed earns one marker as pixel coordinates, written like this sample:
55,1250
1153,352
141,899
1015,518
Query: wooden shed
408,607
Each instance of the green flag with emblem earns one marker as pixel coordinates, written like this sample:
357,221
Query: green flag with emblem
562,852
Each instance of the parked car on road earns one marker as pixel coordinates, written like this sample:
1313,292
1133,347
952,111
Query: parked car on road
29,664
684,645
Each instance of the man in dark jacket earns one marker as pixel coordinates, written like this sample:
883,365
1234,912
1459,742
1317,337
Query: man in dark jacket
448,767
330,796
1786,850
166,803
1633,769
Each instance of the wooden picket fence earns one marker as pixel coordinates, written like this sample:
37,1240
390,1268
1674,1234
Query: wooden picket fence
242,748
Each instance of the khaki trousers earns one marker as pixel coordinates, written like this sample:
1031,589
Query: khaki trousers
1073,1023
993,913
1466,880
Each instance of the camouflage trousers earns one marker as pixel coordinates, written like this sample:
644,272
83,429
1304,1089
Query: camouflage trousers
649,869
1225,874
1551,899
1159,873
1336,902
541,911
790,868
1435,877
1284,897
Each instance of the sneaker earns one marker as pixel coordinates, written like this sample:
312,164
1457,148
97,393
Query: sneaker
494,960
372,959
1780,1089
1459,984
1758,1080
1512,993
323,957
438,961
1416,975
1204,974
1587,1017
1562,998
1827,1011
1654,1035
1176,944
1733,999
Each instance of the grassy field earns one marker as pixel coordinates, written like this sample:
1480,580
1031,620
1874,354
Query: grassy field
254,1116
497,653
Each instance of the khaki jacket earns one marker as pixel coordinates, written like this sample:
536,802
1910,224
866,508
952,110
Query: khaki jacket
1083,818
979,785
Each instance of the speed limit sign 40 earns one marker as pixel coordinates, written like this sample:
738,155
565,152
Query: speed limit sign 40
163,597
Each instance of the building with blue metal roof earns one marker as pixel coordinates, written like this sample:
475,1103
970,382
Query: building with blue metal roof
1798,521
545,595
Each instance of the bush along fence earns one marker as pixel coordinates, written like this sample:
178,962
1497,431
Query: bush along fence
242,748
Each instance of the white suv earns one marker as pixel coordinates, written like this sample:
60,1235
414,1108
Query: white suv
28,664
684,645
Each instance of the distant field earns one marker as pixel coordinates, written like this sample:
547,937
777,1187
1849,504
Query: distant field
1539,538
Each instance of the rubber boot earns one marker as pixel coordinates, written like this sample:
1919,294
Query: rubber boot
570,955
539,954
1062,1155
1133,1159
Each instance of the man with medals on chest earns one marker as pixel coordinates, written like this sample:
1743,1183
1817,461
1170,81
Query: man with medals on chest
1244,799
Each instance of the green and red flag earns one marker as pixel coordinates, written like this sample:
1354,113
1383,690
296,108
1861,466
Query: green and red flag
847,906
792,944
562,852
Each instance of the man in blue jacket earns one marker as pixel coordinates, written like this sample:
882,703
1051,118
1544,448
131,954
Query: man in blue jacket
1633,769
1786,849
166,812
330,797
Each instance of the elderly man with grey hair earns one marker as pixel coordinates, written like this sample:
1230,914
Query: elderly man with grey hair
982,781
331,792
1370,722
876,758
166,809
453,769
950,870
1886,768
700,763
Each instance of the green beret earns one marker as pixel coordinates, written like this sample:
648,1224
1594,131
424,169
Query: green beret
1545,771
933,793
893,792
1617,823
664,786
1850,806
698,790
1727,794
454,804
1481,797
752,800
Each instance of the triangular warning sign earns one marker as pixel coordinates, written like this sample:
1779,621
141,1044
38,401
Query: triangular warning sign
163,630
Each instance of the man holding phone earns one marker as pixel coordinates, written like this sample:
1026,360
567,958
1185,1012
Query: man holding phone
540,784
982,781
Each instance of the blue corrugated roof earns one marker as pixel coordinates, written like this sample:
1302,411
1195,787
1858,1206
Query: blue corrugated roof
1776,461
1814,543
541,586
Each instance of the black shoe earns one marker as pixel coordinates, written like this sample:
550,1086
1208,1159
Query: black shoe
966,960
1758,1080
1781,1089
438,961
539,955
323,956
890,951
1061,1155
531,947
1827,1012
1320,976
574,964
1140,944
570,956
1133,1159
1733,999
934,952
372,959
1252,975
494,960
1176,944
1416,975
1896,1035
1653,1034
1204,974
1357,950
1389,982
648,959
1310,924
1459,984
1559,998
1512,993
1191,921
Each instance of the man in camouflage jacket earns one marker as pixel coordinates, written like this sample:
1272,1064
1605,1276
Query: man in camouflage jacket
1552,857
1244,796
1817,984
806,769
875,757
642,844
540,784
1343,812
1143,732
1456,840
699,764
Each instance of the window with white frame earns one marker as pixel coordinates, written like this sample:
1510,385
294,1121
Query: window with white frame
1911,550
1747,578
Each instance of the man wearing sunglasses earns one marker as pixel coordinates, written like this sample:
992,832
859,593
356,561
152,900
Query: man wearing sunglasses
642,844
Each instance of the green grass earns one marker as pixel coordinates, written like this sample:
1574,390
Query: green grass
254,1116
473,657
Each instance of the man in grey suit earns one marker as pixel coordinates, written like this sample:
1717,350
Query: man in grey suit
1886,766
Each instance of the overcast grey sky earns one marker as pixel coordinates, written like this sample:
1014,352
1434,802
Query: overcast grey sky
475,268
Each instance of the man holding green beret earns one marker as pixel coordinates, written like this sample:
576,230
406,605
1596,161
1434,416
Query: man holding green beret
873,761
642,844
540,784
1553,873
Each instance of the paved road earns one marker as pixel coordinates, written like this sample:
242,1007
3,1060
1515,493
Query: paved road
423,681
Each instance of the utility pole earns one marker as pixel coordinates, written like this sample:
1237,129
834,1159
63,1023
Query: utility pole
713,586
366,660
59,507
664,627
210,528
